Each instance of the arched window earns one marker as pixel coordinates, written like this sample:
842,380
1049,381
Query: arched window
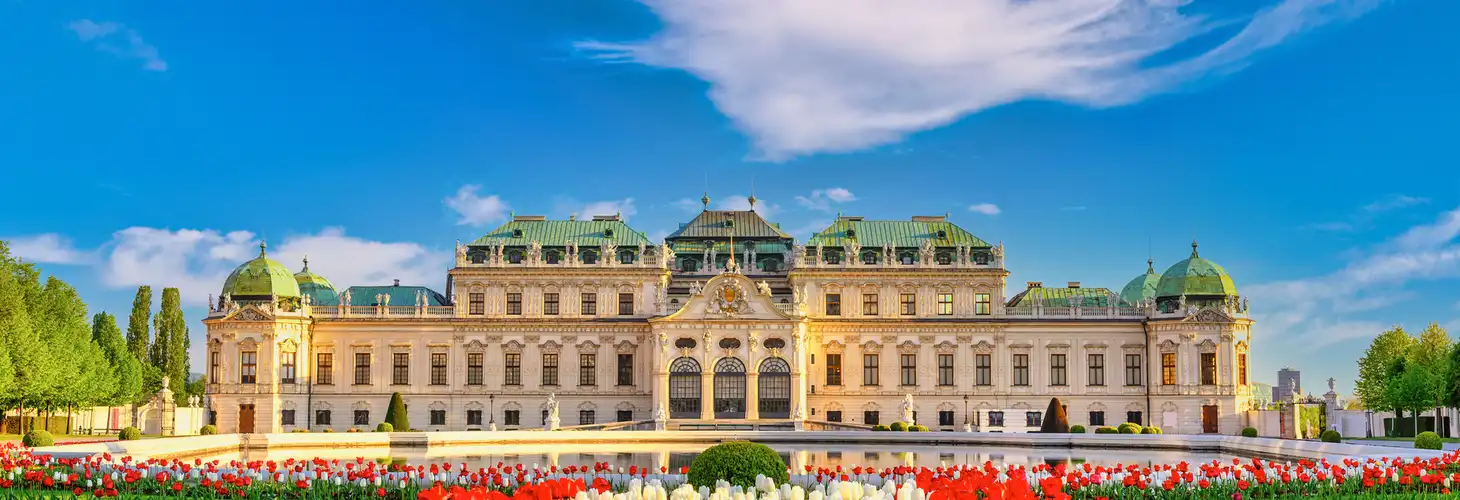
944,258
514,256
553,256
730,388
626,257
869,257
774,388
684,388
588,256
688,264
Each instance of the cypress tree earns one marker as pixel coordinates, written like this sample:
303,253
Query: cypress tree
126,370
169,348
1055,420
138,335
395,415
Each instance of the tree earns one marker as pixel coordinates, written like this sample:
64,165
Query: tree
1372,387
1055,420
1411,388
1452,381
169,351
1433,352
80,375
30,366
395,415
126,370
138,334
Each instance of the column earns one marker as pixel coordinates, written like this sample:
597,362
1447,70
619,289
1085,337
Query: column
707,393
752,393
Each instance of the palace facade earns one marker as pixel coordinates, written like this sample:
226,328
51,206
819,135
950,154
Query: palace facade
728,321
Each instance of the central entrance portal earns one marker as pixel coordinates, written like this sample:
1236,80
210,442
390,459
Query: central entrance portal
774,391
730,388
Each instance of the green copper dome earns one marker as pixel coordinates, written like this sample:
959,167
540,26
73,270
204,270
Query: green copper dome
260,278
320,291
1142,287
1195,278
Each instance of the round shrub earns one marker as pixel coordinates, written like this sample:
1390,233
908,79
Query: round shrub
737,462
208,430
879,428
1151,430
327,429
300,431
1428,441
353,429
130,434
898,427
1128,428
917,428
1105,430
1250,432
385,427
1077,429
1330,436
37,438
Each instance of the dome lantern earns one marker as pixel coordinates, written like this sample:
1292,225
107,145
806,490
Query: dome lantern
1199,280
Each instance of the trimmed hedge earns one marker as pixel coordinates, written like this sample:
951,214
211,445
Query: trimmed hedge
1152,430
1428,441
37,438
385,427
1128,428
1330,436
880,428
1106,430
1077,429
917,428
898,427
1250,432
1055,420
396,413
208,430
738,463
130,434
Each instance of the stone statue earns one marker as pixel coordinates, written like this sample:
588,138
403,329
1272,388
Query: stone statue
211,305
664,343
854,253
925,251
460,254
797,256
696,289
164,382
820,254
552,412
534,251
345,298
385,299
764,288
1330,385
609,250
799,414
1181,305
660,415
1244,304
907,408
889,255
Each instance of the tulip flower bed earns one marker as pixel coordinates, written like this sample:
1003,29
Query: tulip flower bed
24,474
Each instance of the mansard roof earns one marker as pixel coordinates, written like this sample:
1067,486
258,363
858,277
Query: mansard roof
898,233
400,295
1063,297
524,229
728,223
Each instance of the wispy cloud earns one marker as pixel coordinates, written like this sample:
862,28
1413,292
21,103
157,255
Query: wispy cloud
821,199
1367,213
49,248
118,40
1394,202
765,208
838,75
623,208
985,208
474,209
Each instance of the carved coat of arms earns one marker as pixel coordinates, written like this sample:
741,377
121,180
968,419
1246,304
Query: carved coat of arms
729,300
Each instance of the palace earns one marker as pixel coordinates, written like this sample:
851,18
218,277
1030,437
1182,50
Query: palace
729,321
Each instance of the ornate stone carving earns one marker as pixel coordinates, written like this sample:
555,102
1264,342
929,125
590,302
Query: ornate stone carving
729,300
907,347
947,347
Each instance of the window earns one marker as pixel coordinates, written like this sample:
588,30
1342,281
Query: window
1133,417
869,369
514,369
943,258
438,368
515,256
588,369
250,372
553,257
514,304
286,367
909,370
1021,369
438,417
625,257
585,417
833,257
214,366
474,368
996,419
1097,418
511,417
400,373
321,417
833,369
1033,418
982,304
626,369
362,368
834,416
871,417
625,304
869,258
907,259
362,417
869,304
324,371
1208,368
1132,369
1057,371
945,369
589,257
589,304
833,304
1241,369
625,416
286,417
981,259
909,304
983,369
550,304
549,369
1097,369
1168,368
477,303
945,304
473,417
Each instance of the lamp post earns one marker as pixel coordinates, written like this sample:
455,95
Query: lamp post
967,419
492,399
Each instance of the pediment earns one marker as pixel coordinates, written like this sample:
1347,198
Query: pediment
249,313
1209,316
729,296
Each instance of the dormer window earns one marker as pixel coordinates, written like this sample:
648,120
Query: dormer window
478,258
626,257
516,233
981,259
869,258
944,258
589,257
851,233
833,258
514,256
907,259
554,257
608,233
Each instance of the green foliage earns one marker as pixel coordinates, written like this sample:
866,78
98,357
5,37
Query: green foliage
126,370
130,434
208,430
168,348
384,427
1129,428
1250,432
1055,420
37,438
1152,430
1411,386
880,428
738,463
1312,419
27,376
1428,441
139,335
395,415
1105,430
1330,436
917,428
898,427
1452,380
1077,429
1372,387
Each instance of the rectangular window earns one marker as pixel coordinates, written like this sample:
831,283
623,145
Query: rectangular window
438,417
626,369
869,304
511,417
1057,370
945,417
400,373
550,304
625,304
514,303
585,417
362,368
945,369
250,372
1097,418
286,417
1241,369
589,304
1208,368
1133,369
1168,368
321,417
473,417
909,303
477,303
982,304
983,369
1033,419
438,368
588,369
549,369
474,361
214,366
834,416
869,369
1021,369
625,415
286,367
996,419
1097,369
1133,417
871,417
909,365
833,304
362,417
513,363
945,304
324,371
833,369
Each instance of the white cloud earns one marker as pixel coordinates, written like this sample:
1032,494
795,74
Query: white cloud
49,248
765,208
838,75
1394,202
476,210
985,208
623,208
347,260
118,40
821,199
687,205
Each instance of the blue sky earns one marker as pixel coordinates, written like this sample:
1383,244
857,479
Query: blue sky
1303,142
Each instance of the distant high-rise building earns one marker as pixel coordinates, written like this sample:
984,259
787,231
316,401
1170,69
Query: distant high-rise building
1289,382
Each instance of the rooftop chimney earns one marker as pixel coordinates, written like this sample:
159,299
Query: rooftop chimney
1036,284
1074,284
397,282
